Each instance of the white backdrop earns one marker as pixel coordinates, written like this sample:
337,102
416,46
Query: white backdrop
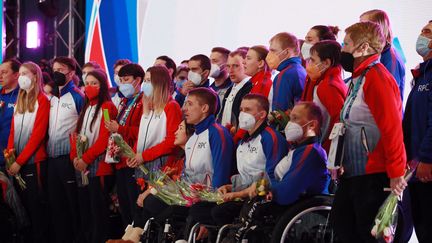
183,28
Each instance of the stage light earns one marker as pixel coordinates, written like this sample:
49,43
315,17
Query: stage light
32,38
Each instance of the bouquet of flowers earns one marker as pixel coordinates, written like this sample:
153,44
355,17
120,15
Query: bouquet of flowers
279,118
81,144
386,219
195,192
166,189
118,147
9,155
262,186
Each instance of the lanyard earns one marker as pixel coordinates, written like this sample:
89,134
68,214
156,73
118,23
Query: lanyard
353,94
122,120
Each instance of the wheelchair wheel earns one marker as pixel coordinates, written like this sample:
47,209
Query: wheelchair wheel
306,221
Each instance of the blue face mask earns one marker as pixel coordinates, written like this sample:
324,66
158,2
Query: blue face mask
128,90
422,46
147,88
179,83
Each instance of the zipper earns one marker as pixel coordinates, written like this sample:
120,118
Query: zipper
148,126
193,150
20,133
55,126
86,123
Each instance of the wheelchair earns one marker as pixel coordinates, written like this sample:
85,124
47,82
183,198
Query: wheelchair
307,220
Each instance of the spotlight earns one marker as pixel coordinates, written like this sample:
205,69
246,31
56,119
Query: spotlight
32,39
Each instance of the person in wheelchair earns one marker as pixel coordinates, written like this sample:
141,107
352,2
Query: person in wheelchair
302,172
258,152
208,156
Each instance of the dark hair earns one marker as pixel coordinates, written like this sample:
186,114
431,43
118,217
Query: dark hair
204,61
14,63
184,61
69,62
205,96
314,112
182,68
328,49
239,52
326,32
262,52
92,64
132,69
121,62
262,101
222,50
169,63
243,48
46,78
190,129
102,97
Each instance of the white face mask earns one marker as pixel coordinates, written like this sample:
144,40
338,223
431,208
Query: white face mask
246,121
128,90
215,70
195,78
24,82
293,131
84,76
305,50
117,79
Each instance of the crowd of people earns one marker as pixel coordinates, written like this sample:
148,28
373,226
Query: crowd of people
223,134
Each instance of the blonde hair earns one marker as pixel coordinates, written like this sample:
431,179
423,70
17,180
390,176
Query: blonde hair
161,81
369,32
381,18
26,101
287,40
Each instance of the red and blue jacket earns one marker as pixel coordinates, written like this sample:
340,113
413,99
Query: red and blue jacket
97,136
391,59
7,104
329,93
29,132
288,84
156,136
374,137
129,131
209,154
417,121
63,117
302,171
257,154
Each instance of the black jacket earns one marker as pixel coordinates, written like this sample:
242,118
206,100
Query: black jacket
237,101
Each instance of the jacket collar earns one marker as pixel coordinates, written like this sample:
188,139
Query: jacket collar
261,128
204,124
67,88
287,62
359,70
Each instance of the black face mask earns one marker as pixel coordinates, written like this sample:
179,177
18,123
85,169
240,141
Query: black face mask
59,78
347,61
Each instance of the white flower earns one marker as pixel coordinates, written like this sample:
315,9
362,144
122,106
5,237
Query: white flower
377,221
261,188
387,232
153,191
83,138
374,230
